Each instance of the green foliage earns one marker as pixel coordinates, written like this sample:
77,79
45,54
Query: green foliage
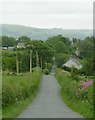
86,47
75,40
61,58
44,50
20,49
87,67
8,41
46,71
9,61
36,69
18,88
66,68
74,73
59,43
23,39
81,102
48,66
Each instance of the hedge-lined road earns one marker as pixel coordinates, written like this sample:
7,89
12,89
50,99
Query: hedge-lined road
48,102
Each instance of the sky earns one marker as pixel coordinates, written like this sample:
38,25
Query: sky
66,14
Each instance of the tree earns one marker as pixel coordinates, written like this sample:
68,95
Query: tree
88,66
41,50
24,39
59,43
60,47
8,41
86,47
74,40
61,58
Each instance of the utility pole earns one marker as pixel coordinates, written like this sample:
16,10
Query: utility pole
31,61
17,63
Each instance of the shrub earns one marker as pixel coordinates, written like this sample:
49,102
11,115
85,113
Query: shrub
74,73
36,69
48,66
46,71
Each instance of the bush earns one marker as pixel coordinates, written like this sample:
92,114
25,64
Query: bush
46,71
48,66
36,69
74,73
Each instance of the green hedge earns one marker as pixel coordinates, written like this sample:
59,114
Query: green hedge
79,101
18,88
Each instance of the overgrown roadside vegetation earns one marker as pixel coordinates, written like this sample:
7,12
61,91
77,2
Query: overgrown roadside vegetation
78,95
18,92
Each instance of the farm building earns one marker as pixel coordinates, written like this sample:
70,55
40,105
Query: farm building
73,62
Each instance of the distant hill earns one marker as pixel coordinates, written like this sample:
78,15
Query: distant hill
42,34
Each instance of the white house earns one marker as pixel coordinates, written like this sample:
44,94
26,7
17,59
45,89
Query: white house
4,48
73,62
10,48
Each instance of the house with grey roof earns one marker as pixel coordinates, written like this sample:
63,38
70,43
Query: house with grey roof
73,62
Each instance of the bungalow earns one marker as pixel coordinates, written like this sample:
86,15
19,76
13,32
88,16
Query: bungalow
73,62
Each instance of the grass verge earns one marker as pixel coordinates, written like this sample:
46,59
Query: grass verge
18,92
81,102
15,109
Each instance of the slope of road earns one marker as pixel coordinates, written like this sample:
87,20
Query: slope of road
48,102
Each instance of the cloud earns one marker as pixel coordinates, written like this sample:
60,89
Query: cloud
49,14
46,8
68,1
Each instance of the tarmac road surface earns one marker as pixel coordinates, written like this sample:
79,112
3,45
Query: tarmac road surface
48,102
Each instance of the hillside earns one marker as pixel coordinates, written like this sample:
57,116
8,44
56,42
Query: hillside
42,34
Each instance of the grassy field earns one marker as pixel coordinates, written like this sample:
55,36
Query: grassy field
0,93
79,101
18,92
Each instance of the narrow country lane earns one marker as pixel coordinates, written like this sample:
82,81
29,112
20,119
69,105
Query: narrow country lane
48,102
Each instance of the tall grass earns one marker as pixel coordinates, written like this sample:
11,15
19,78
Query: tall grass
17,89
81,102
